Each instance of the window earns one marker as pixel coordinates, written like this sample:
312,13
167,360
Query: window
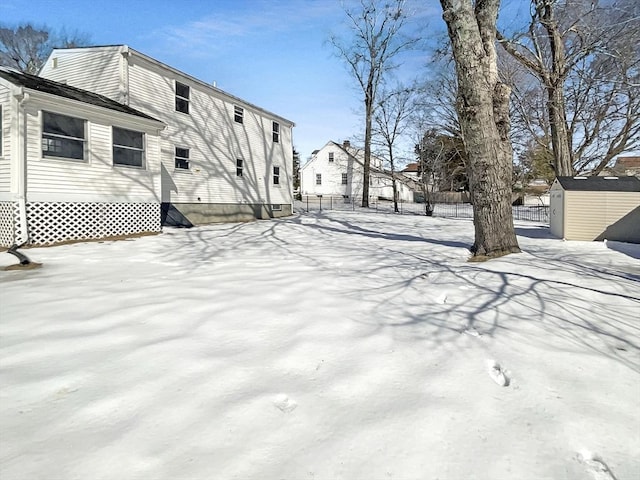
276,175
344,179
63,136
276,207
182,97
182,158
239,166
276,132
0,130
318,179
331,156
238,114
128,147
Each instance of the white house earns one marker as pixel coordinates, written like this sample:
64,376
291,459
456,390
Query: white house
337,170
223,159
73,164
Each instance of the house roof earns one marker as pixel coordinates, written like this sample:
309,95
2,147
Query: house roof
628,162
411,168
126,49
600,184
44,85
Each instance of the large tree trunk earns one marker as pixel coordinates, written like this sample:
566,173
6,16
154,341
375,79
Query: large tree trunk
483,111
560,140
368,105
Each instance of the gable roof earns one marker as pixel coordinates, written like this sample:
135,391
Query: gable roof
412,167
33,82
600,184
127,50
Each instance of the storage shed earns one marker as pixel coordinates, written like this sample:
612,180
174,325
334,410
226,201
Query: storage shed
596,208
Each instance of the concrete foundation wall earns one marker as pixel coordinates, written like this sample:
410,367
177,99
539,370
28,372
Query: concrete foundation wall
183,214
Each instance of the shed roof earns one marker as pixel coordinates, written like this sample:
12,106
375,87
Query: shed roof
44,85
600,184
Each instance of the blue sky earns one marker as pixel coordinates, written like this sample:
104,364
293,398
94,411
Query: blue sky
273,53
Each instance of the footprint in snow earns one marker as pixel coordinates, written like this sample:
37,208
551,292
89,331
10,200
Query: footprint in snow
497,373
598,468
284,403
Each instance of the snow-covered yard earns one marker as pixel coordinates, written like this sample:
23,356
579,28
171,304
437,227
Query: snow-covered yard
341,345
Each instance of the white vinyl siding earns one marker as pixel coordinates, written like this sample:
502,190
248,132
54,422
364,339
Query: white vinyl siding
95,69
212,134
95,180
214,143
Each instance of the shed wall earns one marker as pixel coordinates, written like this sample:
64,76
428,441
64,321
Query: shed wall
589,214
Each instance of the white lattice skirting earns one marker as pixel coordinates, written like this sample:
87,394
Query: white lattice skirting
8,222
56,222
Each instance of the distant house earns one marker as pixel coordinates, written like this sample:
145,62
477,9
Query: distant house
73,164
223,158
627,166
596,208
337,170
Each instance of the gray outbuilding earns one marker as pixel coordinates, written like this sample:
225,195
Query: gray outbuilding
596,208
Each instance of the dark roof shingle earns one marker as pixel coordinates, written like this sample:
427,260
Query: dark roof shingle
600,184
40,84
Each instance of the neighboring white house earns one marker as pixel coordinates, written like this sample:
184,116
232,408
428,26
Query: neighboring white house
223,159
596,208
337,170
73,164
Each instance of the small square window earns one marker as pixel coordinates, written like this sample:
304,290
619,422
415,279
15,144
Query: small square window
318,179
238,114
276,132
182,97
182,158
276,175
239,167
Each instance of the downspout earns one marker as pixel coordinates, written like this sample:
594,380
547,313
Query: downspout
21,173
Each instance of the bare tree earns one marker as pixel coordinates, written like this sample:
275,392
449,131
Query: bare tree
26,47
483,112
586,57
369,53
391,117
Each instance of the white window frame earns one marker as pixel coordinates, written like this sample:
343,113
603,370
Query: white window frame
180,158
275,132
276,175
239,167
182,98
238,114
331,158
115,146
318,179
52,138
345,179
